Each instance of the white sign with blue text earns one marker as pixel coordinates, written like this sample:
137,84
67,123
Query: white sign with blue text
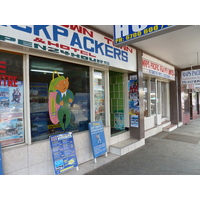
97,138
70,40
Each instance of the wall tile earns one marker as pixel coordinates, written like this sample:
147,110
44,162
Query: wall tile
15,159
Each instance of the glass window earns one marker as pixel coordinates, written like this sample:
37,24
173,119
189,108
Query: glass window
60,101
164,99
99,96
11,99
153,97
145,98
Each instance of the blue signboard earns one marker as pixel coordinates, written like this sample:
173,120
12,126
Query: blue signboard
1,164
127,34
97,138
63,152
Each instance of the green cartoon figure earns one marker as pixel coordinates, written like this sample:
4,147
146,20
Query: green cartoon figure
60,98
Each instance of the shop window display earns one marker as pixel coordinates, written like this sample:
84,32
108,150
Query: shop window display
11,99
99,96
68,97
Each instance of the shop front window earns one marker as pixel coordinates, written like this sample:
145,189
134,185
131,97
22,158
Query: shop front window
145,97
99,96
59,97
153,97
11,99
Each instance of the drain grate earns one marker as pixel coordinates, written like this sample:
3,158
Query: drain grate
183,138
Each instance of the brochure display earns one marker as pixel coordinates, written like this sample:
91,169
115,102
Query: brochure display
1,164
63,152
11,113
97,139
134,107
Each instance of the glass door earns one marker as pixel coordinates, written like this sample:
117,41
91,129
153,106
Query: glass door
99,96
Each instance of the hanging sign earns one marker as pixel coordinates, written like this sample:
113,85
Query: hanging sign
63,152
191,77
97,138
128,34
1,164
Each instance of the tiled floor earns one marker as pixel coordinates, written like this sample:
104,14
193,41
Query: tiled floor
91,165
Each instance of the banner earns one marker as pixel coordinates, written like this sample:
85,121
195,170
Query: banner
97,138
70,40
63,152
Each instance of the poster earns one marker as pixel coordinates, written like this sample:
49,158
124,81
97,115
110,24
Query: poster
63,152
38,97
11,114
97,138
119,120
1,164
134,104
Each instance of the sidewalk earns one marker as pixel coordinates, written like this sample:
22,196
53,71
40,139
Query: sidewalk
174,153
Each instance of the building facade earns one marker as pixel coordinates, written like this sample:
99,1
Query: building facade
128,90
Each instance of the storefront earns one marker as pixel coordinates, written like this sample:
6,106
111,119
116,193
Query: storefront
96,77
156,91
190,94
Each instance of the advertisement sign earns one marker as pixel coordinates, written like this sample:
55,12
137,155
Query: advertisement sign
134,107
128,34
11,113
191,77
97,138
156,69
70,40
1,164
63,152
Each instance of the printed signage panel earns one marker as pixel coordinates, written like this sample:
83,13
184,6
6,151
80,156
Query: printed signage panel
63,152
70,40
156,69
128,34
1,163
97,138
191,77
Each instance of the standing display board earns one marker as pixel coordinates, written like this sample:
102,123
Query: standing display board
63,152
97,139
1,164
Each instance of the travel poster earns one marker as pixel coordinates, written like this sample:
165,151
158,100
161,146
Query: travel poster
1,164
63,152
97,138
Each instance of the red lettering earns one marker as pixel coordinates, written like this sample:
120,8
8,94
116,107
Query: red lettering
84,52
128,49
108,40
64,47
50,43
75,50
39,40
80,29
91,55
11,80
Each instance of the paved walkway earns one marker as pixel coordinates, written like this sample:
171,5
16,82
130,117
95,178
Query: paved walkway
174,153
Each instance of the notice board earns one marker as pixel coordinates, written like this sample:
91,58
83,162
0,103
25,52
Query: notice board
1,163
63,152
97,138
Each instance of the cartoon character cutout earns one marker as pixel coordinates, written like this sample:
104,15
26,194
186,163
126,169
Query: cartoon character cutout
60,98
